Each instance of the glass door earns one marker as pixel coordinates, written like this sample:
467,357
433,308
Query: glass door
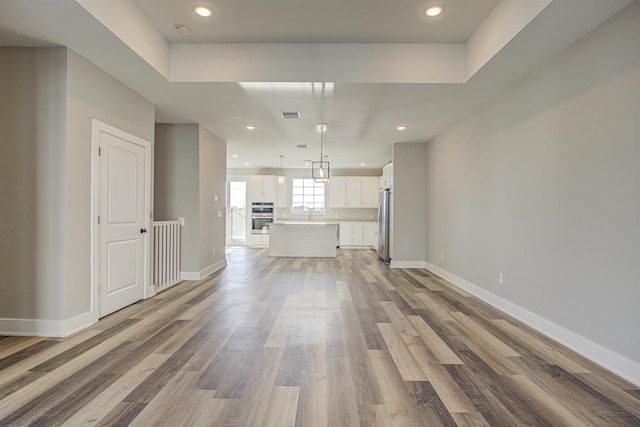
237,229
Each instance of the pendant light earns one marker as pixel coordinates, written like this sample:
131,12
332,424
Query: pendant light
281,176
320,170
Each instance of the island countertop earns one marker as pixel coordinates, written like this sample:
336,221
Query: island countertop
305,223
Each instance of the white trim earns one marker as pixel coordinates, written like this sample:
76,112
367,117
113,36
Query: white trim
96,128
79,322
608,359
408,264
150,291
46,328
197,275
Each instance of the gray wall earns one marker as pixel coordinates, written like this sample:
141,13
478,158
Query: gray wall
176,180
213,176
49,97
190,168
91,94
409,207
32,182
543,185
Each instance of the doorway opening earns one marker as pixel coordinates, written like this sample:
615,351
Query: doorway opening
237,223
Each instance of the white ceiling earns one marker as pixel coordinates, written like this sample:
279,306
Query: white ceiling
384,63
307,21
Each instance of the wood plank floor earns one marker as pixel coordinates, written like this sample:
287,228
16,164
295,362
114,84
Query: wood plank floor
308,342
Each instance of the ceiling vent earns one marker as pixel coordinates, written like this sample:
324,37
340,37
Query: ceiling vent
290,114
302,146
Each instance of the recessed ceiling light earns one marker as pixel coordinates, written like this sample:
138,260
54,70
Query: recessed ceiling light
362,164
402,127
247,164
235,156
433,11
202,11
250,127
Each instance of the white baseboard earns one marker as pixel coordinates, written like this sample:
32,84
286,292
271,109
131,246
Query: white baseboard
46,328
197,275
614,362
80,322
408,264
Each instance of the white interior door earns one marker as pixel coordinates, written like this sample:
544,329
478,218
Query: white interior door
122,232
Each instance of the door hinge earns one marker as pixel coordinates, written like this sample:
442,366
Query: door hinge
99,151
98,219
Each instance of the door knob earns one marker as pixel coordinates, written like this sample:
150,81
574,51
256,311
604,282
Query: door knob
143,230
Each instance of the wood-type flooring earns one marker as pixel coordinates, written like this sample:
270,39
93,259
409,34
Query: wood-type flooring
308,342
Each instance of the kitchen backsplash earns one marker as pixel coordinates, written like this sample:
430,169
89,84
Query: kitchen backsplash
333,214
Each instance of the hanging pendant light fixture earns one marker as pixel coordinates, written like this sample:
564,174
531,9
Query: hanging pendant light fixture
320,170
281,176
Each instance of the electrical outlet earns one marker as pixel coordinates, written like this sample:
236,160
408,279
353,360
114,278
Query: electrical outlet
181,219
501,278
214,251
219,214
441,256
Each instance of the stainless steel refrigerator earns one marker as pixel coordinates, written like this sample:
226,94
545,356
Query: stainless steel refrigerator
384,214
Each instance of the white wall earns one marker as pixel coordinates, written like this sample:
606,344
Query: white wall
543,185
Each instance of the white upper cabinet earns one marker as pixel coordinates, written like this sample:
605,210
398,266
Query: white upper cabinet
354,192
262,188
387,175
370,192
338,192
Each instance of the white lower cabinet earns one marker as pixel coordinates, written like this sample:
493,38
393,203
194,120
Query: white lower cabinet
351,234
371,234
358,234
259,240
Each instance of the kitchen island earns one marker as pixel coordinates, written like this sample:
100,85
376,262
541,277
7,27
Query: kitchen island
303,239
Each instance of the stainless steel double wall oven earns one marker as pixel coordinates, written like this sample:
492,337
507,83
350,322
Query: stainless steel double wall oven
261,217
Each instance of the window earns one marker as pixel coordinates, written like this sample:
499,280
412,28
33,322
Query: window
307,195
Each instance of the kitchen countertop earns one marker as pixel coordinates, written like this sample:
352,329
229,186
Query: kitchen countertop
305,223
